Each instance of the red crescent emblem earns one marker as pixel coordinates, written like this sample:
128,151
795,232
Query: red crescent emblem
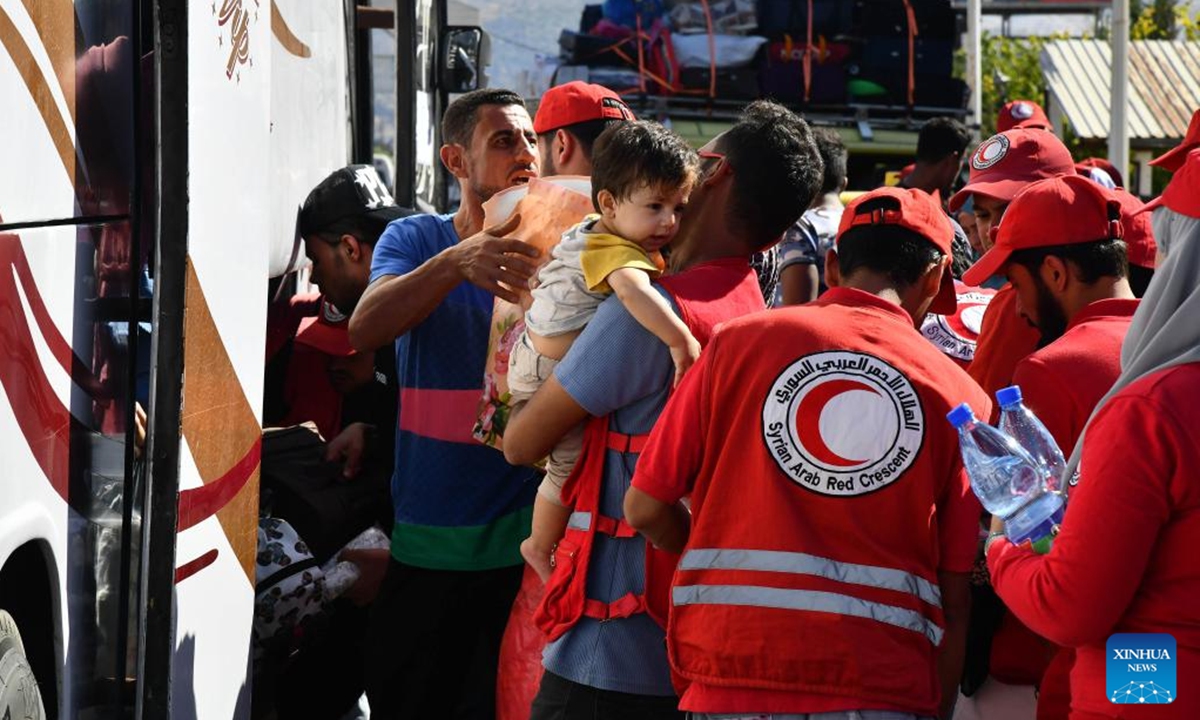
956,324
808,420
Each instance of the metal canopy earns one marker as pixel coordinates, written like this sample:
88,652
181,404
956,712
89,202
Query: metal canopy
1164,87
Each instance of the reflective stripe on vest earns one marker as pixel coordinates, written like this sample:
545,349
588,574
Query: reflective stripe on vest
582,521
813,600
805,564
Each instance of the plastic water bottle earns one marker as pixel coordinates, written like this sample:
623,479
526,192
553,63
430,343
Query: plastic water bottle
1019,423
1007,480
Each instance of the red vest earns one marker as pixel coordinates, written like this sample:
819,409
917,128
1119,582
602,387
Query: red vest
706,296
826,497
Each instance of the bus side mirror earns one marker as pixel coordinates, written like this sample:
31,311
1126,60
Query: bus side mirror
461,59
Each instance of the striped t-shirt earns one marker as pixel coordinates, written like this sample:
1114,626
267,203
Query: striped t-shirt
458,504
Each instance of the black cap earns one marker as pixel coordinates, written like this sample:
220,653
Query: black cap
353,191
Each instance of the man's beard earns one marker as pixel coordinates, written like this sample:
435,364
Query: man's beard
1052,321
485,192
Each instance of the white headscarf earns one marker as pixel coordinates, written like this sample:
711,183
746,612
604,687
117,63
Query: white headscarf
1166,327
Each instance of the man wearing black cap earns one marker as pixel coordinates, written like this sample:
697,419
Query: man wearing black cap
340,221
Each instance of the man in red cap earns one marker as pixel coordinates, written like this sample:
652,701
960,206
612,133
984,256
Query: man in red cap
1022,114
1174,158
569,119
831,524
1001,167
1061,246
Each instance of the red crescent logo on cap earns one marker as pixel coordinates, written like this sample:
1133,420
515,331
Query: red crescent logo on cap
331,314
842,423
990,152
1022,111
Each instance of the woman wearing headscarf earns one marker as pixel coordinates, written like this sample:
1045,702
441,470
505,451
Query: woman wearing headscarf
1127,559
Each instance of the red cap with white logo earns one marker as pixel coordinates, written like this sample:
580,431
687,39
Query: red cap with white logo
1005,163
1022,114
1058,211
328,331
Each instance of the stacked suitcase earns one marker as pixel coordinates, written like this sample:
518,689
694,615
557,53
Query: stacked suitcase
876,52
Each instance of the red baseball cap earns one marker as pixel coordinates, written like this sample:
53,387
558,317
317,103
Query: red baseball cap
1095,163
1140,248
577,102
1022,114
1005,163
1173,159
914,210
1057,211
327,331
1183,192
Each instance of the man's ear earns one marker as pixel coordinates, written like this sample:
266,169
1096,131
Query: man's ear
932,282
1055,273
720,169
833,273
564,147
351,246
454,157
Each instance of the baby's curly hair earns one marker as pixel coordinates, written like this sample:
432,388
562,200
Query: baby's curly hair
630,155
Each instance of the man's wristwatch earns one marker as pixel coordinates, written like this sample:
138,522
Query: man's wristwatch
991,538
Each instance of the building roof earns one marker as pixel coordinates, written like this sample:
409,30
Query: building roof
1164,87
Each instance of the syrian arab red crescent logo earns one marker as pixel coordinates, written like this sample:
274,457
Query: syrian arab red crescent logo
957,334
990,152
842,423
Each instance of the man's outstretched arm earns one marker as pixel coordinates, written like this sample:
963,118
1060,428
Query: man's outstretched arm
394,304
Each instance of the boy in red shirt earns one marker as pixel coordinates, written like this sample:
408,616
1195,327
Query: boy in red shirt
831,523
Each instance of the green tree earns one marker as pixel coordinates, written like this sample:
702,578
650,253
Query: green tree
1156,20
1162,20
1011,70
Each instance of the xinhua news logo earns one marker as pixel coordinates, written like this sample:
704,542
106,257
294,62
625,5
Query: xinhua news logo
1140,669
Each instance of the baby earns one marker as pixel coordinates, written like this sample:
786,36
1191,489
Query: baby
642,174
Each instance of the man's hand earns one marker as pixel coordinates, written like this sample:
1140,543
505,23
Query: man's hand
498,264
349,447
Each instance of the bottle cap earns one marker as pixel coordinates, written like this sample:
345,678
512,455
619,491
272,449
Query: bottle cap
1009,396
960,415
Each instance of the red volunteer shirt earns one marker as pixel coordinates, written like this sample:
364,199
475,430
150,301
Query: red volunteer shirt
872,478
1126,560
1005,339
1063,382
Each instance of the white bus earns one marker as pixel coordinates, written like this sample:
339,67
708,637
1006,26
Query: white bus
153,155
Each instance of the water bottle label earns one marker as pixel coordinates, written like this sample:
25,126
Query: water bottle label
1036,519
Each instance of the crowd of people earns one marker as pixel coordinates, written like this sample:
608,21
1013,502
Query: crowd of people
753,513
